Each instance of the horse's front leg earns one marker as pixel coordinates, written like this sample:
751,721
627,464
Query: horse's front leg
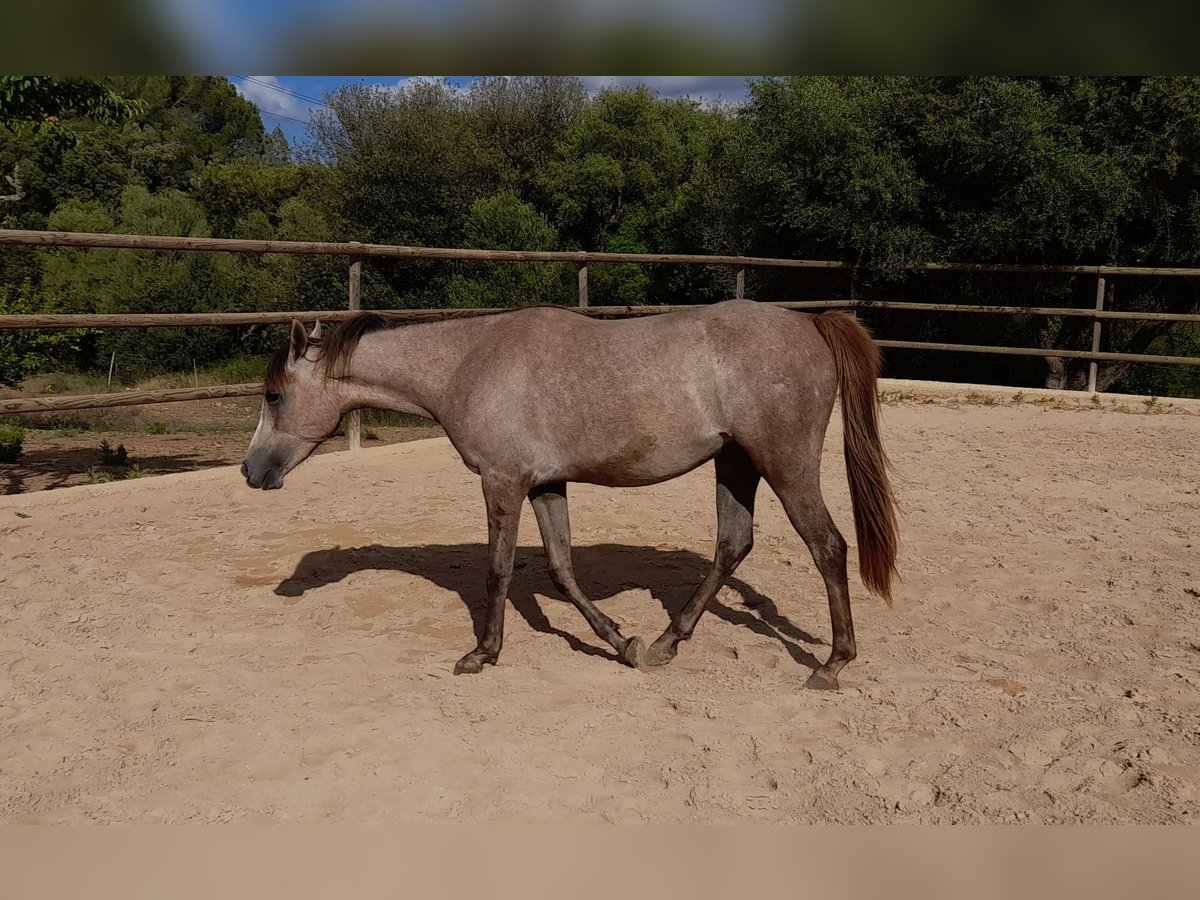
504,501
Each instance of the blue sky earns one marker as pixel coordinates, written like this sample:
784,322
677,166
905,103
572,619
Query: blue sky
288,100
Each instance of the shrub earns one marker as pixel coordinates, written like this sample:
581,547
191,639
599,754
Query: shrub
12,438
158,428
111,457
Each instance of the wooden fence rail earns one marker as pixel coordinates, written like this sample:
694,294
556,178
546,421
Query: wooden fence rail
357,251
190,320
21,405
91,241
97,241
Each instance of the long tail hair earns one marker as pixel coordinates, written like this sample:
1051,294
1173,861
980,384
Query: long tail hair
858,362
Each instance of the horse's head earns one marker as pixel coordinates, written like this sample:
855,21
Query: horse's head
301,407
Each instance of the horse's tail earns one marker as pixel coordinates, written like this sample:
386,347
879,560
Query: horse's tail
858,361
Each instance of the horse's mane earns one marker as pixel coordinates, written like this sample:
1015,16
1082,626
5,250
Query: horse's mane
334,352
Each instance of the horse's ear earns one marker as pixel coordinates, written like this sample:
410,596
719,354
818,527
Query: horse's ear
299,339
315,334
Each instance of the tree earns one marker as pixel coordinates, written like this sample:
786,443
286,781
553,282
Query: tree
24,353
505,223
884,172
112,281
40,103
523,119
630,176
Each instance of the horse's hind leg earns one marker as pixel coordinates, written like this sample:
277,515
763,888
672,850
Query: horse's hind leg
550,505
801,498
737,483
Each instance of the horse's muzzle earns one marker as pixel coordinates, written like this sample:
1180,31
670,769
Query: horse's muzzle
268,478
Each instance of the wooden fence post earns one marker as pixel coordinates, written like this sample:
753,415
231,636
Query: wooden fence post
583,298
1093,366
740,293
354,423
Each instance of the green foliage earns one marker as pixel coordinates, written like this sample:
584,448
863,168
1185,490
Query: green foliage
40,103
117,281
111,457
12,438
240,370
880,172
409,163
503,222
24,352
245,198
97,476
136,471
626,283
158,428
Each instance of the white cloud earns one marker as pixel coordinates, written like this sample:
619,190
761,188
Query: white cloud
270,100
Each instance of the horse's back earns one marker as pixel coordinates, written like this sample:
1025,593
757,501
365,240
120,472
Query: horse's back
636,401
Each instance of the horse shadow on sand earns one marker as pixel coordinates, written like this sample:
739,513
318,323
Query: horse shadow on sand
602,571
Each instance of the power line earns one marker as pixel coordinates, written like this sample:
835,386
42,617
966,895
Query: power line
283,90
281,116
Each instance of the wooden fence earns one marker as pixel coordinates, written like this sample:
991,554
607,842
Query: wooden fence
357,251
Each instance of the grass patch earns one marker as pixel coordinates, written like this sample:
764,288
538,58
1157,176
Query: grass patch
73,422
242,370
54,383
96,476
158,428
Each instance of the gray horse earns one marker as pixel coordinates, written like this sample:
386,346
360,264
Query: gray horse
535,398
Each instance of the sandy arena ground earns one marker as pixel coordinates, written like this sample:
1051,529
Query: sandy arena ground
183,648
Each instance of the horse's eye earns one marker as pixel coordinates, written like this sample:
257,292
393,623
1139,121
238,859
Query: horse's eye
272,397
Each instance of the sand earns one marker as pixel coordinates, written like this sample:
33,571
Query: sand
181,648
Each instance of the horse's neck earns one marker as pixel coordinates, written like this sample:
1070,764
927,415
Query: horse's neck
408,369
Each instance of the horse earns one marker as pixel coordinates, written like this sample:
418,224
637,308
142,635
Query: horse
538,397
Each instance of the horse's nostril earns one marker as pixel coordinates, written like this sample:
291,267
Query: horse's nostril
245,470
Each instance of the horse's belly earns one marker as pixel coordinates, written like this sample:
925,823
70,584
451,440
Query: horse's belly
643,460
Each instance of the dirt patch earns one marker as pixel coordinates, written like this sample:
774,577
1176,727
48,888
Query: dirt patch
184,649
56,460
65,450
209,433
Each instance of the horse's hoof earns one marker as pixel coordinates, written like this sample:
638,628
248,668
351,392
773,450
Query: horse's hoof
658,654
820,682
635,648
472,664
